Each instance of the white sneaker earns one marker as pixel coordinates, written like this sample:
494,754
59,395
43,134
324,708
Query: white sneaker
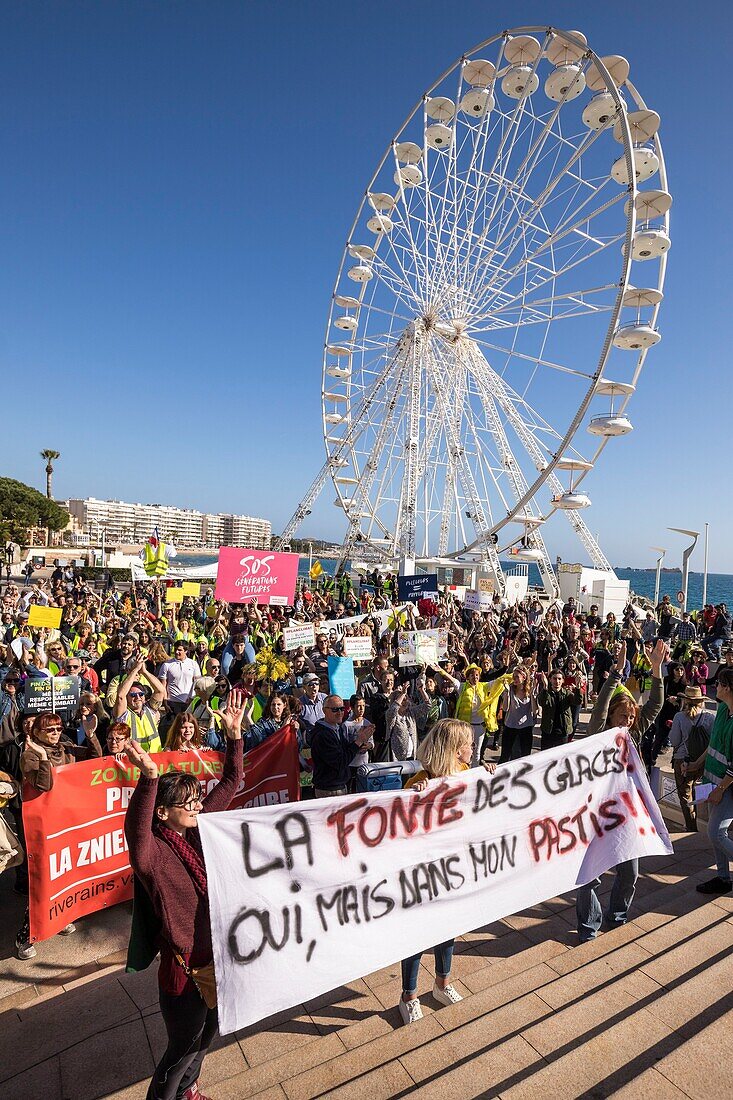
25,951
410,1011
447,996
68,931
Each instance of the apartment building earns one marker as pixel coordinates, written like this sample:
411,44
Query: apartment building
185,527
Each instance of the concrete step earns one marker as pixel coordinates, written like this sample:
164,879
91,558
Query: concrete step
541,1015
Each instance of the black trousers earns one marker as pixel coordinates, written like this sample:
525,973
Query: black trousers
552,740
509,737
191,1027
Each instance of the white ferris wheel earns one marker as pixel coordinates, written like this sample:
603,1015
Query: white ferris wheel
494,305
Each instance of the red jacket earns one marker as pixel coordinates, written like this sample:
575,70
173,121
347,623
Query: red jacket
183,914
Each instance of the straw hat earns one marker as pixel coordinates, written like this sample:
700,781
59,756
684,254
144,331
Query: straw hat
693,694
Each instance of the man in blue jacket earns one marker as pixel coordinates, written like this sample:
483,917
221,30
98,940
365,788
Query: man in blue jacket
331,750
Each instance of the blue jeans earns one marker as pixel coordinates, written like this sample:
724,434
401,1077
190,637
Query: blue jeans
712,647
588,907
719,822
410,967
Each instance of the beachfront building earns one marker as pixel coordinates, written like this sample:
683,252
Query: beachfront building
116,521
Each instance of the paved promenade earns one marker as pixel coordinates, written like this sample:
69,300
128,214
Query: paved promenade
645,1011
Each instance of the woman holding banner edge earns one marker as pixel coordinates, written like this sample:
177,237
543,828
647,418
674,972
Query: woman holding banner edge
165,853
615,706
446,751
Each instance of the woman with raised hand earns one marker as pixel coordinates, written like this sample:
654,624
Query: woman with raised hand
161,828
445,752
614,707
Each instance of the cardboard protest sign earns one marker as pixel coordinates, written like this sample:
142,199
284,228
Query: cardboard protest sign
75,832
191,588
474,600
244,575
59,694
417,647
359,648
417,587
486,584
174,595
50,617
304,900
299,634
341,677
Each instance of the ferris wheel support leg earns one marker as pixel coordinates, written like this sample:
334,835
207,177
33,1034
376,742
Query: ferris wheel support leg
516,477
470,492
505,398
304,508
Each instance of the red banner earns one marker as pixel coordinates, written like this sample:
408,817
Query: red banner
77,853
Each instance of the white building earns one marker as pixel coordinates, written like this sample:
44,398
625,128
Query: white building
119,521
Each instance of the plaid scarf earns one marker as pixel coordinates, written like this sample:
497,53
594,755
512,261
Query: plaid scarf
189,857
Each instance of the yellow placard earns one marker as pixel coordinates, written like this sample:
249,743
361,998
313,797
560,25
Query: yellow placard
191,588
174,595
44,616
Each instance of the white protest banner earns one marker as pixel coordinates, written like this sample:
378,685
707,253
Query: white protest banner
477,600
339,625
417,647
305,898
299,634
359,648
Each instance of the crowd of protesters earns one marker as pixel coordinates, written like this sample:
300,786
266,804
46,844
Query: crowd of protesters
200,674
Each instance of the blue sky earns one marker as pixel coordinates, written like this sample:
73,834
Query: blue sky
178,182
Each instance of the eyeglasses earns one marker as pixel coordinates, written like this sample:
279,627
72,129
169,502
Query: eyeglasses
72,668
53,729
136,695
190,805
334,708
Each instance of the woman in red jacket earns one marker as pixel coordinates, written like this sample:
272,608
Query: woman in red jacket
165,853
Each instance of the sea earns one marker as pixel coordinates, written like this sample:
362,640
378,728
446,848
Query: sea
720,585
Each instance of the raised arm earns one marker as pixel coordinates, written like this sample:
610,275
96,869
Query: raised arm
139,816
231,719
134,674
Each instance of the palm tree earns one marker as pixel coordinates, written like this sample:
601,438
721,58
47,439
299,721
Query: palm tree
49,457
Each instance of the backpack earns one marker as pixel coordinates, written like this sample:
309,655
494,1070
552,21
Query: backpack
698,740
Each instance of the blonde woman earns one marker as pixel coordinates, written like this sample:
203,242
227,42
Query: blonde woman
446,751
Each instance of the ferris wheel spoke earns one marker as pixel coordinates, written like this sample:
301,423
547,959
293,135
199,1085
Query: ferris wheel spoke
534,209
551,274
514,354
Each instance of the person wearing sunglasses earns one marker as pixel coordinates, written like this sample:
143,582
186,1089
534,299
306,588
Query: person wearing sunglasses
332,750
132,706
161,828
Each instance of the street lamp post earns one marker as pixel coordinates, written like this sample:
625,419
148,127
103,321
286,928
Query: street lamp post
705,569
661,551
694,535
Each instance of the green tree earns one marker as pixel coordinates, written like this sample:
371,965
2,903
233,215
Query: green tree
22,507
49,458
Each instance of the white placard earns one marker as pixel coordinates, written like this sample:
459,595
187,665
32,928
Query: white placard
359,647
477,601
308,896
299,634
417,647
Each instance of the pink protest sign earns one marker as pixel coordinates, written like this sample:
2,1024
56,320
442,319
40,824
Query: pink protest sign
244,575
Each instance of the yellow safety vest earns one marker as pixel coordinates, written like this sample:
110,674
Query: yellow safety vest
155,560
144,730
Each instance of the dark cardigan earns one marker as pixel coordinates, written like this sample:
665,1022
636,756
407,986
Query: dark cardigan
182,913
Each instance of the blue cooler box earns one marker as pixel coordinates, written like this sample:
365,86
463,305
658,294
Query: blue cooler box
386,776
